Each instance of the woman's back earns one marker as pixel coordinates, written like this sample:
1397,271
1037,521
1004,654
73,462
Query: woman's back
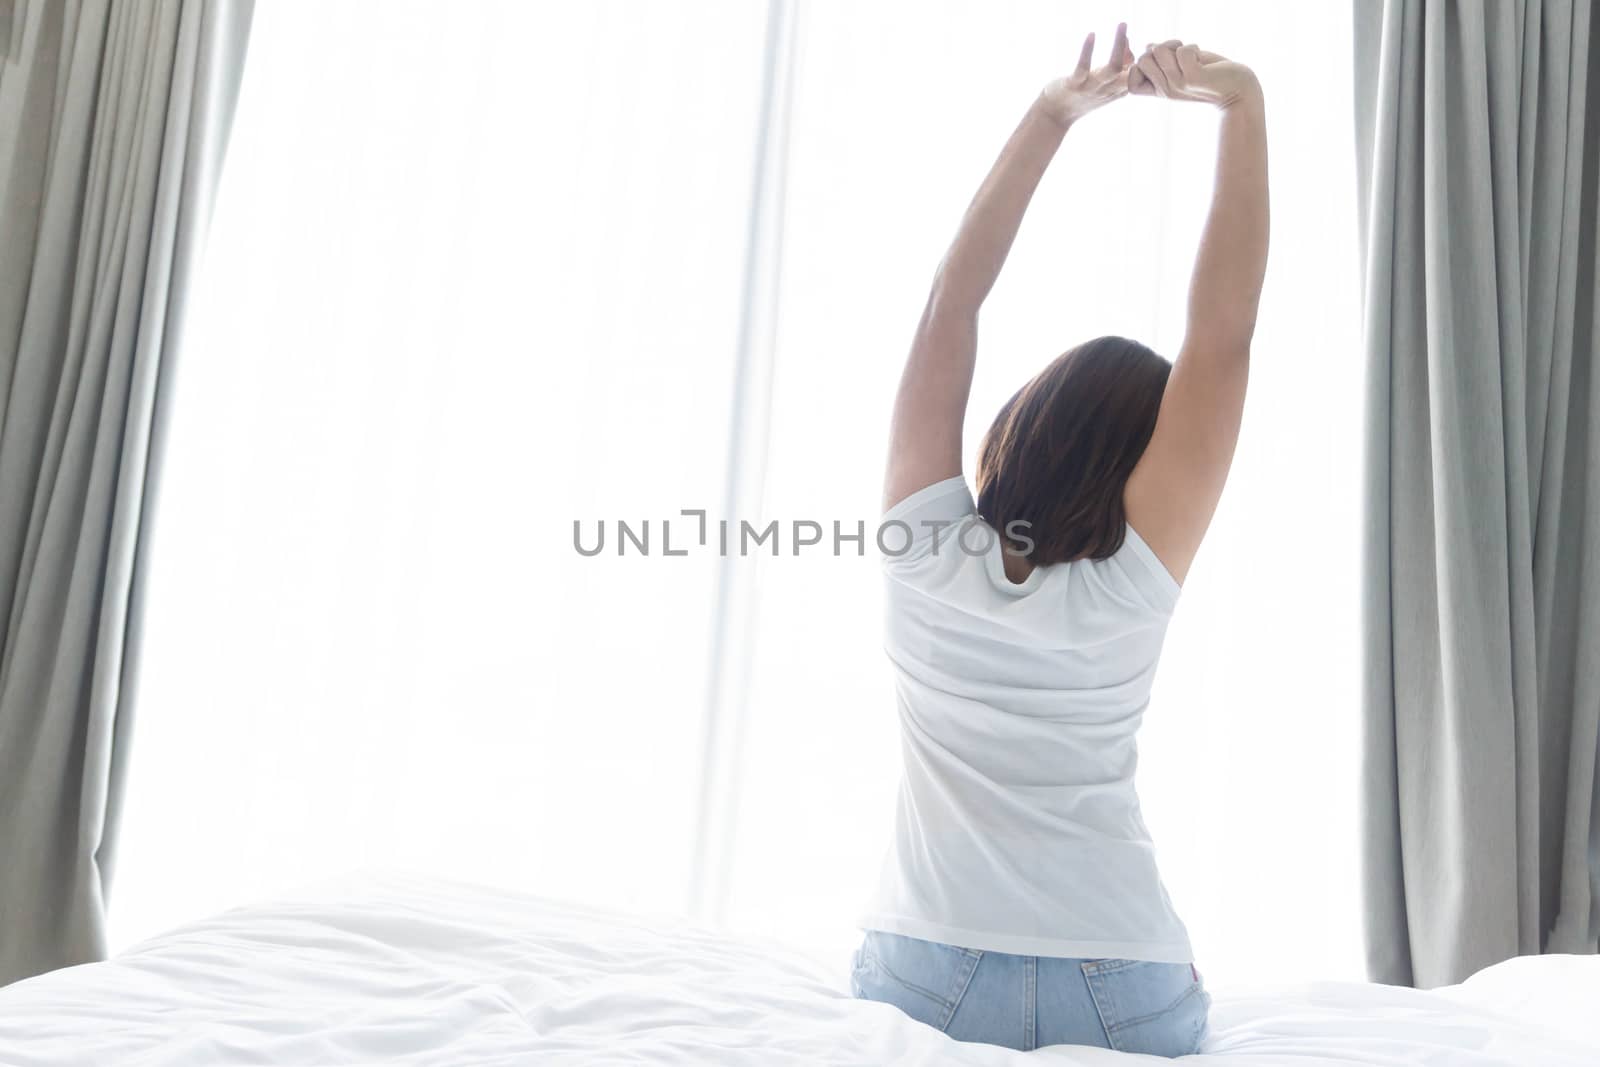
1018,827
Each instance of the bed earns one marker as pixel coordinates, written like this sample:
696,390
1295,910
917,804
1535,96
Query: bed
394,968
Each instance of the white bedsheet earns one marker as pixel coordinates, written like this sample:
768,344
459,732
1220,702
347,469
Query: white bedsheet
388,968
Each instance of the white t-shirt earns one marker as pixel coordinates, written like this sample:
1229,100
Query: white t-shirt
1017,828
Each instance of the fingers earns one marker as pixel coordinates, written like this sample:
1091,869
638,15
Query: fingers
1121,54
1151,69
1188,58
1086,57
1166,68
1166,57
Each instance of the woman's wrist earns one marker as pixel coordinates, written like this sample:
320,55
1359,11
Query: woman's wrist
1248,94
1043,109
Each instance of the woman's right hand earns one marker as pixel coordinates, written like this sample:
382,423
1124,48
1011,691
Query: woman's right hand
1179,71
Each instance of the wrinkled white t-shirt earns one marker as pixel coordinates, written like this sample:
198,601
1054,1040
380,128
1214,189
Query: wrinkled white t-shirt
1017,827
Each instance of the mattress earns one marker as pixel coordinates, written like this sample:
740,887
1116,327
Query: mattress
396,968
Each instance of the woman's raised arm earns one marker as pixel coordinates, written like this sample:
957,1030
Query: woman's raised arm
1174,489
931,404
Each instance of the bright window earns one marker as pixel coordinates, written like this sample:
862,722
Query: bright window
474,277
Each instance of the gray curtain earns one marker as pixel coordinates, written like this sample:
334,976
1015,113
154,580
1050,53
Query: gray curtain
1478,126
113,119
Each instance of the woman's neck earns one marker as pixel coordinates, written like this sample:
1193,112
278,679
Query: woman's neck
1017,567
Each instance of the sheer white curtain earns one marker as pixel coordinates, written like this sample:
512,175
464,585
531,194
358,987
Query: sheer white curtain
474,277
474,274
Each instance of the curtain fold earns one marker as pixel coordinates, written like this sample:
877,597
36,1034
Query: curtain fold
1477,130
113,123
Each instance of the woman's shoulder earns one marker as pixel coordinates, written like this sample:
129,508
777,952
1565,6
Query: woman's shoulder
918,524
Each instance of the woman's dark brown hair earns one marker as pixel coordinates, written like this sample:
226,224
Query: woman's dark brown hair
1059,453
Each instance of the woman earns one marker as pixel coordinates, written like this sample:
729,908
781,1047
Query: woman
1019,902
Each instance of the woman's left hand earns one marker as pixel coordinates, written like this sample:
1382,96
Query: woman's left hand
1070,98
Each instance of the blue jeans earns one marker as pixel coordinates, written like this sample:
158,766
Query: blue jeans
1025,1002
